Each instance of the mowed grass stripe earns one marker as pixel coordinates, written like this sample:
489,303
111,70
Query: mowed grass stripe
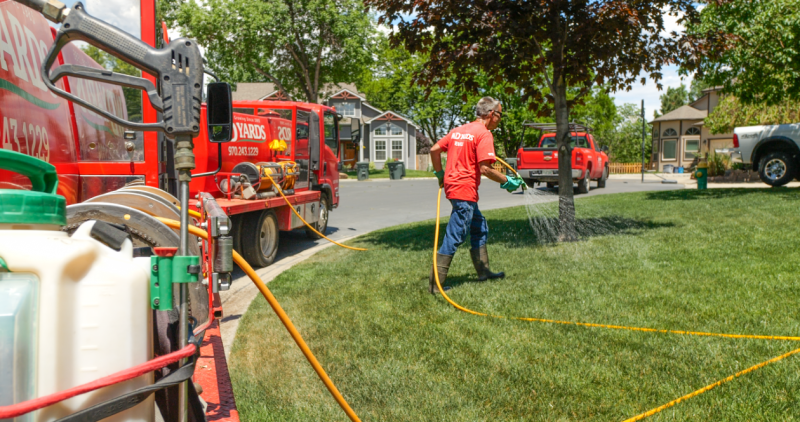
722,261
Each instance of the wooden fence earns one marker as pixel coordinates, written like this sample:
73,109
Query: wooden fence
620,168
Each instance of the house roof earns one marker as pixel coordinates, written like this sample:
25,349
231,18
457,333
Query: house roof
254,91
392,115
683,113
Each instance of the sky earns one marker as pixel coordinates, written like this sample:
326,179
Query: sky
649,92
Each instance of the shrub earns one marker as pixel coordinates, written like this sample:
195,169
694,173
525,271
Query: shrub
390,160
717,164
371,165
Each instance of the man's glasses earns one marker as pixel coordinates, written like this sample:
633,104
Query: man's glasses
499,113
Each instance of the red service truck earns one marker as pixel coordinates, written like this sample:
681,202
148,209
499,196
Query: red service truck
539,164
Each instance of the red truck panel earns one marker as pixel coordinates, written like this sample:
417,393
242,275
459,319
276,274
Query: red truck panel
34,121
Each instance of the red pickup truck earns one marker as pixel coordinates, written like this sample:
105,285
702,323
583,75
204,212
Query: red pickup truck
540,164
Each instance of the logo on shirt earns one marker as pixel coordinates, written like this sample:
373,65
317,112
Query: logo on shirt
466,136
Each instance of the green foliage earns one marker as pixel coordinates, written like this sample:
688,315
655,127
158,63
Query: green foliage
389,85
297,44
133,96
625,143
371,166
717,164
696,90
673,99
731,113
750,47
719,260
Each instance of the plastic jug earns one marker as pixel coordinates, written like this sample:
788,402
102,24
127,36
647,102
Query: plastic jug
80,310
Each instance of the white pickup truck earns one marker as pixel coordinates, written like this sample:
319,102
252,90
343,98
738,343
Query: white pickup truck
774,151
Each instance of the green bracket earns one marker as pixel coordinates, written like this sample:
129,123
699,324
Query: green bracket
166,270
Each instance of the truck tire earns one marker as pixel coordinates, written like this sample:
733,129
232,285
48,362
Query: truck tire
601,182
777,168
551,185
236,231
260,238
322,224
583,184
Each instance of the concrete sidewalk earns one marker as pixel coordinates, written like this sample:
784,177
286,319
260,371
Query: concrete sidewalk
686,180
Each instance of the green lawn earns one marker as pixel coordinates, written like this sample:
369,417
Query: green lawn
384,174
716,260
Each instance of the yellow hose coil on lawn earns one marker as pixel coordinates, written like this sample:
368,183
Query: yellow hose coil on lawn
617,327
281,315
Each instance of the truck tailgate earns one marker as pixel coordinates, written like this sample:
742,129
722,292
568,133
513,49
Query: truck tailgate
537,158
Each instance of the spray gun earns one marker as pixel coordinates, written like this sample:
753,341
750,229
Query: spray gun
178,69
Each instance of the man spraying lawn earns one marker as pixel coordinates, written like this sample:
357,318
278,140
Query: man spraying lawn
470,154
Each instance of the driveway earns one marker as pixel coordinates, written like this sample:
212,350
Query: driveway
371,205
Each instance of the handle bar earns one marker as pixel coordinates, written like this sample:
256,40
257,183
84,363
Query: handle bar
178,68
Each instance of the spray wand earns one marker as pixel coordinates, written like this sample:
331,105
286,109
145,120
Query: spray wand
524,185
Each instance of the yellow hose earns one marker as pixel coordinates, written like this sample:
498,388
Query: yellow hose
524,186
291,207
619,327
281,315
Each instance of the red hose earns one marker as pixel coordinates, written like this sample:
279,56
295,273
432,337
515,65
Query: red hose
35,404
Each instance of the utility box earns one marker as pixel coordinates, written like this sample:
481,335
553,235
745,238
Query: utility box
362,170
513,163
396,170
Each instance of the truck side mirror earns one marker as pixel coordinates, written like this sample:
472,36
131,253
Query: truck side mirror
219,112
604,148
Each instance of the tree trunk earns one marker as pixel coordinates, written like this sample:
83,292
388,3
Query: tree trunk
566,201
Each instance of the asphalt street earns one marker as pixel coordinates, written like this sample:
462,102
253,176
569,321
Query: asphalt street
372,205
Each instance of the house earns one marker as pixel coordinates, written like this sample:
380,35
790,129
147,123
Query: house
366,132
680,135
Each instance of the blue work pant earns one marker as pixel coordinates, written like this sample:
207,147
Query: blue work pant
465,219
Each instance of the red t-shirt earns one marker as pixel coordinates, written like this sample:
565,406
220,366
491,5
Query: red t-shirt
466,146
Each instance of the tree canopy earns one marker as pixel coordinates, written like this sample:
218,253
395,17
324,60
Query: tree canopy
133,96
749,47
298,45
731,113
672,99
559,45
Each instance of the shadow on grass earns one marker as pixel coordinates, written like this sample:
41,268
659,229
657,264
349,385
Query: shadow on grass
511,232
689,194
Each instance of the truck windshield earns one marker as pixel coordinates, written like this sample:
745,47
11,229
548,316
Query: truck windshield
550,142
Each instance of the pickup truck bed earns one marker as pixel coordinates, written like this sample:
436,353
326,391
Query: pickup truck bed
540,164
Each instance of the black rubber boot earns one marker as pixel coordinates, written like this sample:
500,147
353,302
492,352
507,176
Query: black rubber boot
480,259
443,262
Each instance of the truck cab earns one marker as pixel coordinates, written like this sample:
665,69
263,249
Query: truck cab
539,164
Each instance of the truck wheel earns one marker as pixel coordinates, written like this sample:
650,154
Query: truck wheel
583,184
551,185
601,182
260,238
322,224
777,168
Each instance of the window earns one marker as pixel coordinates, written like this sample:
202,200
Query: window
550,142
670,132
275,113
397,149
243,110
655,132
347,109
331,132
387,129
692,149
380,150
693,131
670,150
